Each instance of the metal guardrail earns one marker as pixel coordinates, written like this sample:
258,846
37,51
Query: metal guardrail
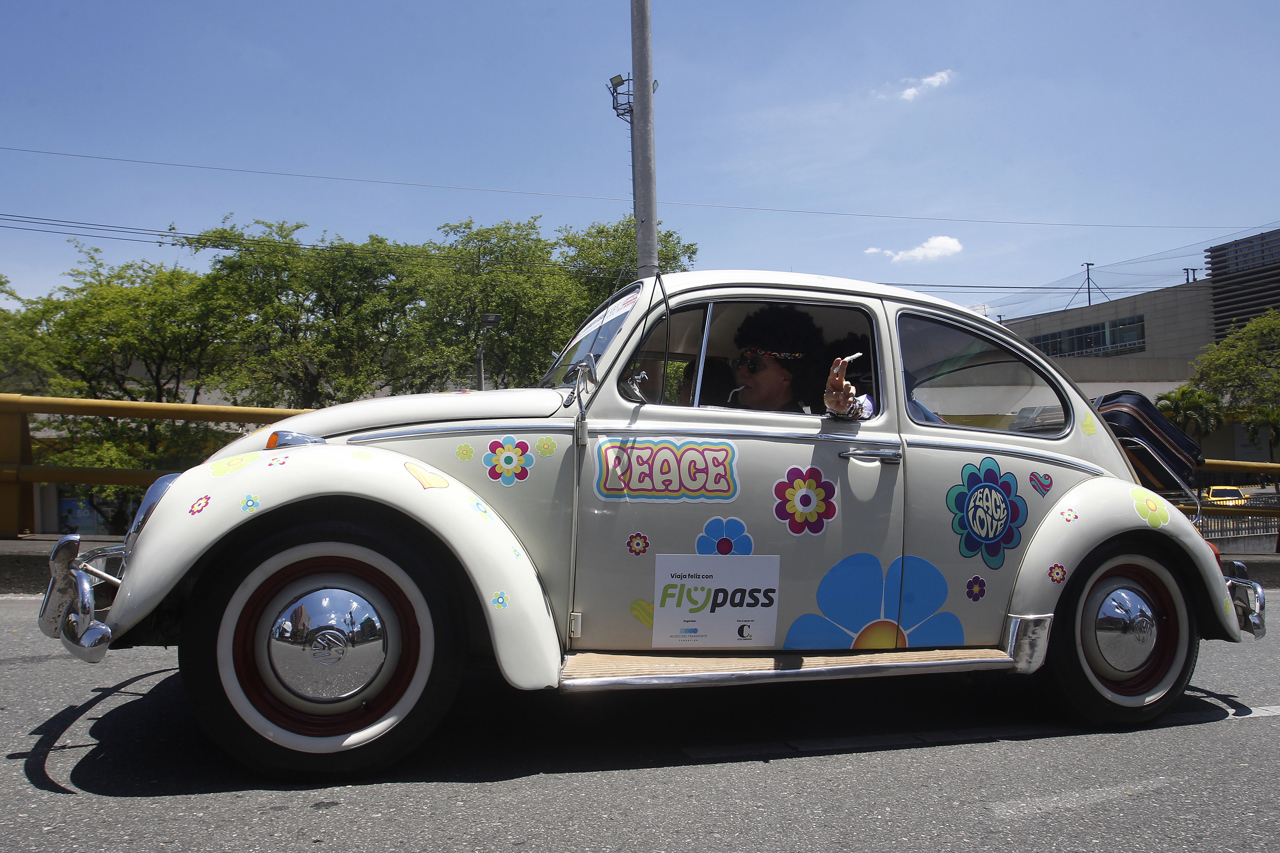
17,509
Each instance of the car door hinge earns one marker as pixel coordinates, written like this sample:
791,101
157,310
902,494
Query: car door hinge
575,625
580,431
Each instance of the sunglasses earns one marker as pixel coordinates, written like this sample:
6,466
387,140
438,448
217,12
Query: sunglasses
750,359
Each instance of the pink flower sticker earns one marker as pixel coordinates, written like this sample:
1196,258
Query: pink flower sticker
637,543
199,505
1057,573
806,501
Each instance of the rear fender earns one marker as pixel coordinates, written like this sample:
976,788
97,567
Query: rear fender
1096,511
207,503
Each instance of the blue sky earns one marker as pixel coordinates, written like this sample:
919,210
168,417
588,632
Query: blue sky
1135,113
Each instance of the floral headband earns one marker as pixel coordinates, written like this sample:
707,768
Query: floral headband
781,356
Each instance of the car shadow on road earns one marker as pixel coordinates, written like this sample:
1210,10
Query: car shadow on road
148,747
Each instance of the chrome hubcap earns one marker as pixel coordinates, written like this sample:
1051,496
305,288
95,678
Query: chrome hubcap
1125,629
327,645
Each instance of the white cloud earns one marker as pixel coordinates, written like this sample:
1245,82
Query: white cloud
932,82
930,250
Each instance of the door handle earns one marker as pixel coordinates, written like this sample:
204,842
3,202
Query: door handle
886,457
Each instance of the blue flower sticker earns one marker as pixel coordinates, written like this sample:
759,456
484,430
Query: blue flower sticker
987,512
724,536
863,607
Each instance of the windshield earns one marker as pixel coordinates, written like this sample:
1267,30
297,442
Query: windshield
594,337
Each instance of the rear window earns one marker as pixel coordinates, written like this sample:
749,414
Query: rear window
954,376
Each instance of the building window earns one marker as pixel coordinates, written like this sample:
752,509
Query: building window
1114,337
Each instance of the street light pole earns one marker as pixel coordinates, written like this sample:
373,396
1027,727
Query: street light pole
643,173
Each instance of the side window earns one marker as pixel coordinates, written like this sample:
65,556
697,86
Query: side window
766,356
642,381
775,356
954,376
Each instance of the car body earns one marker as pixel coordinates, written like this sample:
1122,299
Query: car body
1226,495
624,526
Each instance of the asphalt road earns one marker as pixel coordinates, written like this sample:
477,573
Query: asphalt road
103,757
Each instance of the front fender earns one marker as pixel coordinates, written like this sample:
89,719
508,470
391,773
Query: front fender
1095,511
206,503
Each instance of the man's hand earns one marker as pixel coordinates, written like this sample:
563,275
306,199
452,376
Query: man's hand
840,395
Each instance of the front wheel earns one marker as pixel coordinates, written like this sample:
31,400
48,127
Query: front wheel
323,648
1124,642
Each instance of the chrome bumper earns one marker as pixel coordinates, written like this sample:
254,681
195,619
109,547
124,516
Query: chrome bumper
68,607
1247,598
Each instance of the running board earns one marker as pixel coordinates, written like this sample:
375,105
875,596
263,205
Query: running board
583,671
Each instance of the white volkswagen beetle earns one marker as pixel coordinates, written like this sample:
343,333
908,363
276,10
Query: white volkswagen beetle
672,506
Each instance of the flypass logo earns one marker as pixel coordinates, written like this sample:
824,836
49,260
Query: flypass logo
698,598
715,601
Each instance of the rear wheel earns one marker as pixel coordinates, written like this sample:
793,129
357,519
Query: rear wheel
1125,642
324,648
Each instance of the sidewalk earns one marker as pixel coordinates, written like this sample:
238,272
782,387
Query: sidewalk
24,563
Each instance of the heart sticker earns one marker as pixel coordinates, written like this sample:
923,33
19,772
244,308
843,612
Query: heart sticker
1042,483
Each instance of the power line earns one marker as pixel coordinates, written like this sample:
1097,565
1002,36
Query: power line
712,206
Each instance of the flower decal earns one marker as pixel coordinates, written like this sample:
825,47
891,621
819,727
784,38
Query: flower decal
231,464
501,601
987,512
362,455
806,501
546,446
863,607
1057,573
277,461
250,503
199,505
509,460
1151,507
464,452
637,543
1088,425
1069,515
481,508
724,536
975,588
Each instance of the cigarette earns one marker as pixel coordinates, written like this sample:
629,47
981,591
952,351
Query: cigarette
849,358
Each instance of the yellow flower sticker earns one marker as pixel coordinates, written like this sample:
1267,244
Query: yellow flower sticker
362,455
231,464
1151,507
1088,425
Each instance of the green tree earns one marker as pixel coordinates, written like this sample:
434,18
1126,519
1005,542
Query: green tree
602,256
1195,412
508,269
137,332
1243,370
309,325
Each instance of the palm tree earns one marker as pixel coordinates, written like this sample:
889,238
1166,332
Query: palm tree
1195,412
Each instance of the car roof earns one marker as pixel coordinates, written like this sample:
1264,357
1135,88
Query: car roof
681,282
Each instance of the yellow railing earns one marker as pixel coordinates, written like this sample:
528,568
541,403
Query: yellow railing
17,509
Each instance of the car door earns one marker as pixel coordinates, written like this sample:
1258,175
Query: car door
990,444
704,526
